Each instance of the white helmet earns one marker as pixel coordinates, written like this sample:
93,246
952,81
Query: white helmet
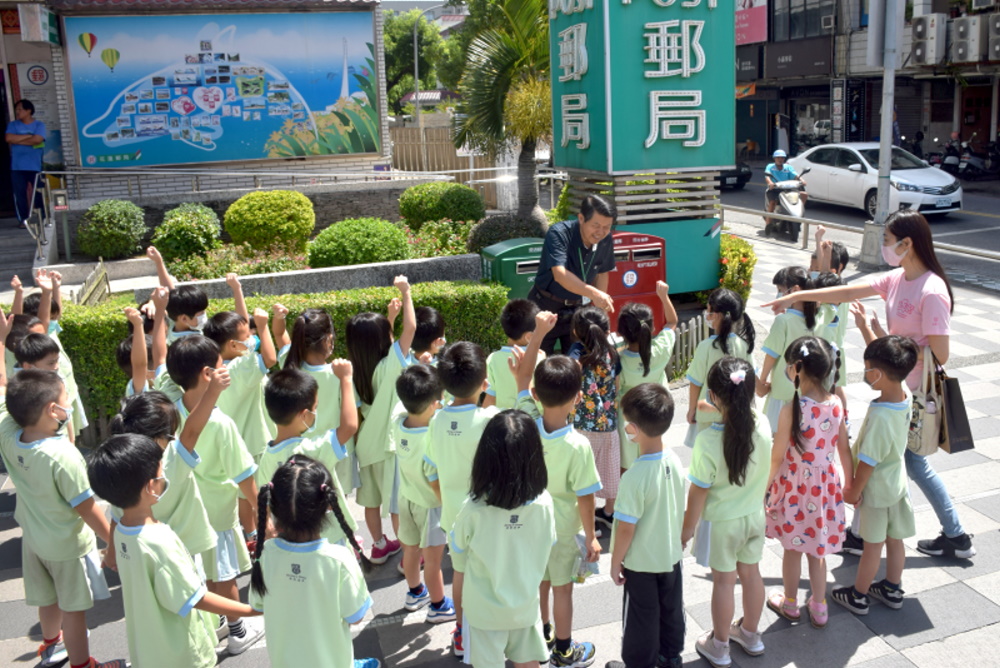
779,154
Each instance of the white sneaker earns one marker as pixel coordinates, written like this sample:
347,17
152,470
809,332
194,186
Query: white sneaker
717,656
254,631
751,644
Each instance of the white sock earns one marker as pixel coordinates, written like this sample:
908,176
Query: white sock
380,543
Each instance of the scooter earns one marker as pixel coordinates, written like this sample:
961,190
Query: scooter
973,164
790,203
952,157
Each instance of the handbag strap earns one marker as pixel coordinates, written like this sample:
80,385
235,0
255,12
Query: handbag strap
928,370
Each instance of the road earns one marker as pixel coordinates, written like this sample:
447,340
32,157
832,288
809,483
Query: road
977,226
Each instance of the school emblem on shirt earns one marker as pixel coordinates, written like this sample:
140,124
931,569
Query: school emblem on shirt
296,569
20,462
404,444
514,523
454,431
454,426
296,574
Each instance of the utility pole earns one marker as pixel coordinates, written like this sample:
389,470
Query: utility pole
416,86
884,37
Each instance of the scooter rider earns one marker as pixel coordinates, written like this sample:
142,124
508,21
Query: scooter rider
777,171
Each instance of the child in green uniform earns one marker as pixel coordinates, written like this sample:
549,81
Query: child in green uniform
879,489
226,468
572,482
506,530
799,320
419,390
728,475
309,589
56,510
378,361
166,601
451,446
644,357
143,357
428,337
518,322
291,397
646,553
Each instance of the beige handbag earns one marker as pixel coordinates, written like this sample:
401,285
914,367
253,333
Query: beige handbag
925,423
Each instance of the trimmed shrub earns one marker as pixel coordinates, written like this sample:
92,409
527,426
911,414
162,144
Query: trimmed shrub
112,229
358,241
91,333
561,211
186,231
242,260
440,238
438,201
502,227
736,262
266,218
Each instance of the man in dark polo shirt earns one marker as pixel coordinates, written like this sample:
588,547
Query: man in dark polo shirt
576,258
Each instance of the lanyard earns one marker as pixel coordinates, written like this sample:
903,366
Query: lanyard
586,270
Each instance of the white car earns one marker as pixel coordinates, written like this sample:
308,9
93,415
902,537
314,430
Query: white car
847,174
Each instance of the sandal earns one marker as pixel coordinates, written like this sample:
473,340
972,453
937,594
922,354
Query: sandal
784,606
818,614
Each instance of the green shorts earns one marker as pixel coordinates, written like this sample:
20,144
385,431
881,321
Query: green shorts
487,649
562,560
896,521
74,584
380,486
420,526
229,558
739,540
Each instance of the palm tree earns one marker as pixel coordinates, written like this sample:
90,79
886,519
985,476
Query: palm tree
506,94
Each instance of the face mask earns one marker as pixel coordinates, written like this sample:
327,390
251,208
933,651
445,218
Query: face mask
892,258
166,486
201,321
54,327
813,275
250,345
310,428
69,414
871,383
629,435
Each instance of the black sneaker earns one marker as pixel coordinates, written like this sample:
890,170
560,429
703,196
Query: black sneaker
602,516
890,596
853,543
856,604
943,546
580,655
550,637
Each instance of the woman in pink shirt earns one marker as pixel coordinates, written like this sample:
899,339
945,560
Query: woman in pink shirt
918,304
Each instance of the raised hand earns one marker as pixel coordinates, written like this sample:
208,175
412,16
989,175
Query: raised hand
342,368
280,311
220,379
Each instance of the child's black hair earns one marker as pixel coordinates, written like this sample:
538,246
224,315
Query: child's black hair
814,358
189,300
591,328
29,392
827,279
123,354
20,327
893,355
731,307
34,348
289,392
151,414
188,356
120,469
839,257
223,327
649,407
298,497
462,368
557,381
430,328
518,318
509,470
369,339
34,300
732,381
798,277
635,325
311,330
418,387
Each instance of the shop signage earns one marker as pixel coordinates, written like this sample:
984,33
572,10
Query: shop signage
798,58
751,21
748,63
847,109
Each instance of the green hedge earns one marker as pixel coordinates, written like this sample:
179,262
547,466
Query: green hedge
90,335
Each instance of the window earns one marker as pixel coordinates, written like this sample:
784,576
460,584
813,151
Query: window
847,158
900,159
798,19
824,156
779,21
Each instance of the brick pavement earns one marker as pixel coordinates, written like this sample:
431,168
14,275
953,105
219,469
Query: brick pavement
951,616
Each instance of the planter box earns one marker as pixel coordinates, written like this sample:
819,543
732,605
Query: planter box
451,268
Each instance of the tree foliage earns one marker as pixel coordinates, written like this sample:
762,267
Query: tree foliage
398,35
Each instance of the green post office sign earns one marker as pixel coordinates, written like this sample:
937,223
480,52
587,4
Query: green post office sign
641,85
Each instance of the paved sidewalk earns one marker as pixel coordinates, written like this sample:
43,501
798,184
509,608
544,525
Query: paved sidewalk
951,616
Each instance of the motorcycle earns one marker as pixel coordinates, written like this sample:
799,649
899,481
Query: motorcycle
973,164
790,203
951,158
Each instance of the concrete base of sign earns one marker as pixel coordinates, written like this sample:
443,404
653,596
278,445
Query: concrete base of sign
452,268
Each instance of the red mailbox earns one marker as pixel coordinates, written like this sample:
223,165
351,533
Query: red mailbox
640,261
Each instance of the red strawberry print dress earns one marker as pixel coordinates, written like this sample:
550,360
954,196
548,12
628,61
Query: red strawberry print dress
805,507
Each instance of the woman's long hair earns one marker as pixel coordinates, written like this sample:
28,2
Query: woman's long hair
910,224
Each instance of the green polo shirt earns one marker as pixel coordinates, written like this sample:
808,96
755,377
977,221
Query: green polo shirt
415,473
705,355
660,351
651,496
373,437
502,384
569,463
831,324
243,401
881,444
787,327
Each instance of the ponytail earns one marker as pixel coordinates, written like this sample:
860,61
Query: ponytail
635,325
747,332
813,358
309,334
732,308
591,326
836,370
338,512
732,381
797,438
256,573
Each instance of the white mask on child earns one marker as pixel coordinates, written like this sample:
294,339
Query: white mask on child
310,428
201,321
166,486
631,436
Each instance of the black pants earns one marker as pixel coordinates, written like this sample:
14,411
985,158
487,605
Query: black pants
561,332
652,618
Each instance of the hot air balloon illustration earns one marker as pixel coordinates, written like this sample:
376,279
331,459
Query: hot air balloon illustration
110,58
88,41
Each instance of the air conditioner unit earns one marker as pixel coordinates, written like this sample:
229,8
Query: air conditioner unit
983,4
993,54
968,39
993,21
930,34
827,22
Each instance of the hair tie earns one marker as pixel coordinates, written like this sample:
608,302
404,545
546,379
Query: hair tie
270,485
738,377
804,350
323,488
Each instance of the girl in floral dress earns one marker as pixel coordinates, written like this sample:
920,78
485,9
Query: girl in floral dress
597,415
805,504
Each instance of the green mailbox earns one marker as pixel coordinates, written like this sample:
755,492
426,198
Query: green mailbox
514,263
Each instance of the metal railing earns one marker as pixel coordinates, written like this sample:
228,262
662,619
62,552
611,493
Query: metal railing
806,222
